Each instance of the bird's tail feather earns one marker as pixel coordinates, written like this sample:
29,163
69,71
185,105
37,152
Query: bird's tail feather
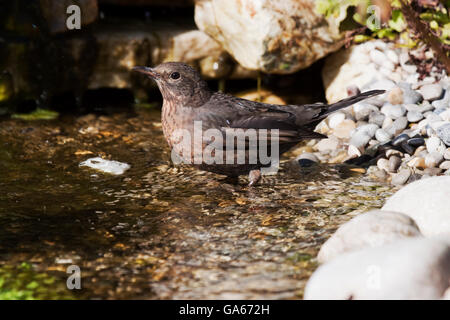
351,100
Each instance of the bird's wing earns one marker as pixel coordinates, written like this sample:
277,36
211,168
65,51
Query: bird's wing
231,113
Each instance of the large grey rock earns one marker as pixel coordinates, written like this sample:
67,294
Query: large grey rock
371,229
417,268
427,201
271,36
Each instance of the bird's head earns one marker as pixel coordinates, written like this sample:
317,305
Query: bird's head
179,83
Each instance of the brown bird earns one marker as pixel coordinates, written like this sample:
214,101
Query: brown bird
188,100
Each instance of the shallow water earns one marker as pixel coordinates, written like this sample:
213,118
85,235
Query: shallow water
158,231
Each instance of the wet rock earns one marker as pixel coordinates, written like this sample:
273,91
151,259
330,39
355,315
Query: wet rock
426,201
416,142
431,92
107,166
372,229
401,177
377,173
397,141
405,269
407,147
216,67
265,35
307,159
443,133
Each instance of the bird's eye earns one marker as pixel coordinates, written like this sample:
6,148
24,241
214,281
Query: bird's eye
175,75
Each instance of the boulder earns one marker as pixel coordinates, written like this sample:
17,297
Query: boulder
371,229
427,201
416,268
270,36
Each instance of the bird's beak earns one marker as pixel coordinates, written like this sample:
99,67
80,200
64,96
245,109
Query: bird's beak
148,71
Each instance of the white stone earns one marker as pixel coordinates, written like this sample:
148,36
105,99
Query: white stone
427,201
392,55
371,229
431,91
408,269
434,144
433,159
344,129
107,166
328,144
393,111
335,119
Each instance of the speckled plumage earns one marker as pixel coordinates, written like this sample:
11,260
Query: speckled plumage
188,98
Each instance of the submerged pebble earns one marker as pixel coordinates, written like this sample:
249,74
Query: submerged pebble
107,166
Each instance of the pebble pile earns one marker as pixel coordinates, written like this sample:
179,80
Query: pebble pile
402,135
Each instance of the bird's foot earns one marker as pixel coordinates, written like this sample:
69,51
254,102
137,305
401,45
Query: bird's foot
254,176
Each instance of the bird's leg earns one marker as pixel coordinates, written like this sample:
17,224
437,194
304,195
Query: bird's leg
254,176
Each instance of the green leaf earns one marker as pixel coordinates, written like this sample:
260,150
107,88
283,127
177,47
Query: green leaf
361,38
397,21
38,114
445,32
438,16
386,33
